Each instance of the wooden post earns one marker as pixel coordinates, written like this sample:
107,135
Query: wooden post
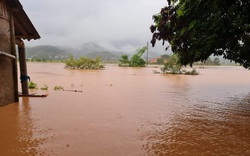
23,67
13,52
7,93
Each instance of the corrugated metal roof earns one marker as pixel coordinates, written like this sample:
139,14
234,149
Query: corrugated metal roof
23,26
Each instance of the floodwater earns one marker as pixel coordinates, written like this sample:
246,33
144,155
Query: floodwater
130,112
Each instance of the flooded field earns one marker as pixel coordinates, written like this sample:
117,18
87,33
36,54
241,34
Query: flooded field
130,112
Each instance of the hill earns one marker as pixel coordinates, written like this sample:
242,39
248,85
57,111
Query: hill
87,48
104,55
46,52
94,50
90,49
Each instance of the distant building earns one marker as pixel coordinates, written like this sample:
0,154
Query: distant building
154,60
14,27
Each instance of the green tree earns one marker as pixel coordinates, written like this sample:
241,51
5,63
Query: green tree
160,60
172,65
163,58
135,61
197,29
83,63
124,61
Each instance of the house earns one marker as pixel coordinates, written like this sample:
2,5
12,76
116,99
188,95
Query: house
15,26
154,60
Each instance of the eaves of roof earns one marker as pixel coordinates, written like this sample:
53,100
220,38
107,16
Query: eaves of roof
24,28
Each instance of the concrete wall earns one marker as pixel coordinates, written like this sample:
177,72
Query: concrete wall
7,80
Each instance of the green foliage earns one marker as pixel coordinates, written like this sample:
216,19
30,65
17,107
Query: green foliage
124,61
160,60
135,61
209,61
32,85
172,65
58,88
141,51
83,63
44,87
197,29
163,58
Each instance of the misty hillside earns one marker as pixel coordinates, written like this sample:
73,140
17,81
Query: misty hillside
90,49
93,49
46,52
105,55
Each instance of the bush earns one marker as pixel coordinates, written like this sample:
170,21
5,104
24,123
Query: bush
58,88
84,63
44,87
135,61
32,85
124,61
172,65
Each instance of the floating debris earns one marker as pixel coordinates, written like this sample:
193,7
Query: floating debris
71,90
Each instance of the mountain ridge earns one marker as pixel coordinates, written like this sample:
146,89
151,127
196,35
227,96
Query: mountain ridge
90,49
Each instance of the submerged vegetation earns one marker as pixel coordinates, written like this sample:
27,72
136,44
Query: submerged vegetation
135,61
84,63
32,85
44,87
173,66
124,61
58,88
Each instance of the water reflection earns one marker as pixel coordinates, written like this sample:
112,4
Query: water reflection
204,131
17,130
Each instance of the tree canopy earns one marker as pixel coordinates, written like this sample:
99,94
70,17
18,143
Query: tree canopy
83,63
135,61
197,29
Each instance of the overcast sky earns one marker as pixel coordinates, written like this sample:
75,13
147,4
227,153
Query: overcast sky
118,24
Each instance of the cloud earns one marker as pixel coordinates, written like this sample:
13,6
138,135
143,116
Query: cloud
72,23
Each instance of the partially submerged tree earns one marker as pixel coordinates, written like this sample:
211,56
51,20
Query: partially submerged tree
124,61
197,29
173,66
135,61
83,63
163,58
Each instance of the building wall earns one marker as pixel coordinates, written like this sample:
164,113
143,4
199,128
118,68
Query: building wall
7,82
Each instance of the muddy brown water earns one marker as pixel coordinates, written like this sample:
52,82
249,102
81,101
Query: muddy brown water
130,112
